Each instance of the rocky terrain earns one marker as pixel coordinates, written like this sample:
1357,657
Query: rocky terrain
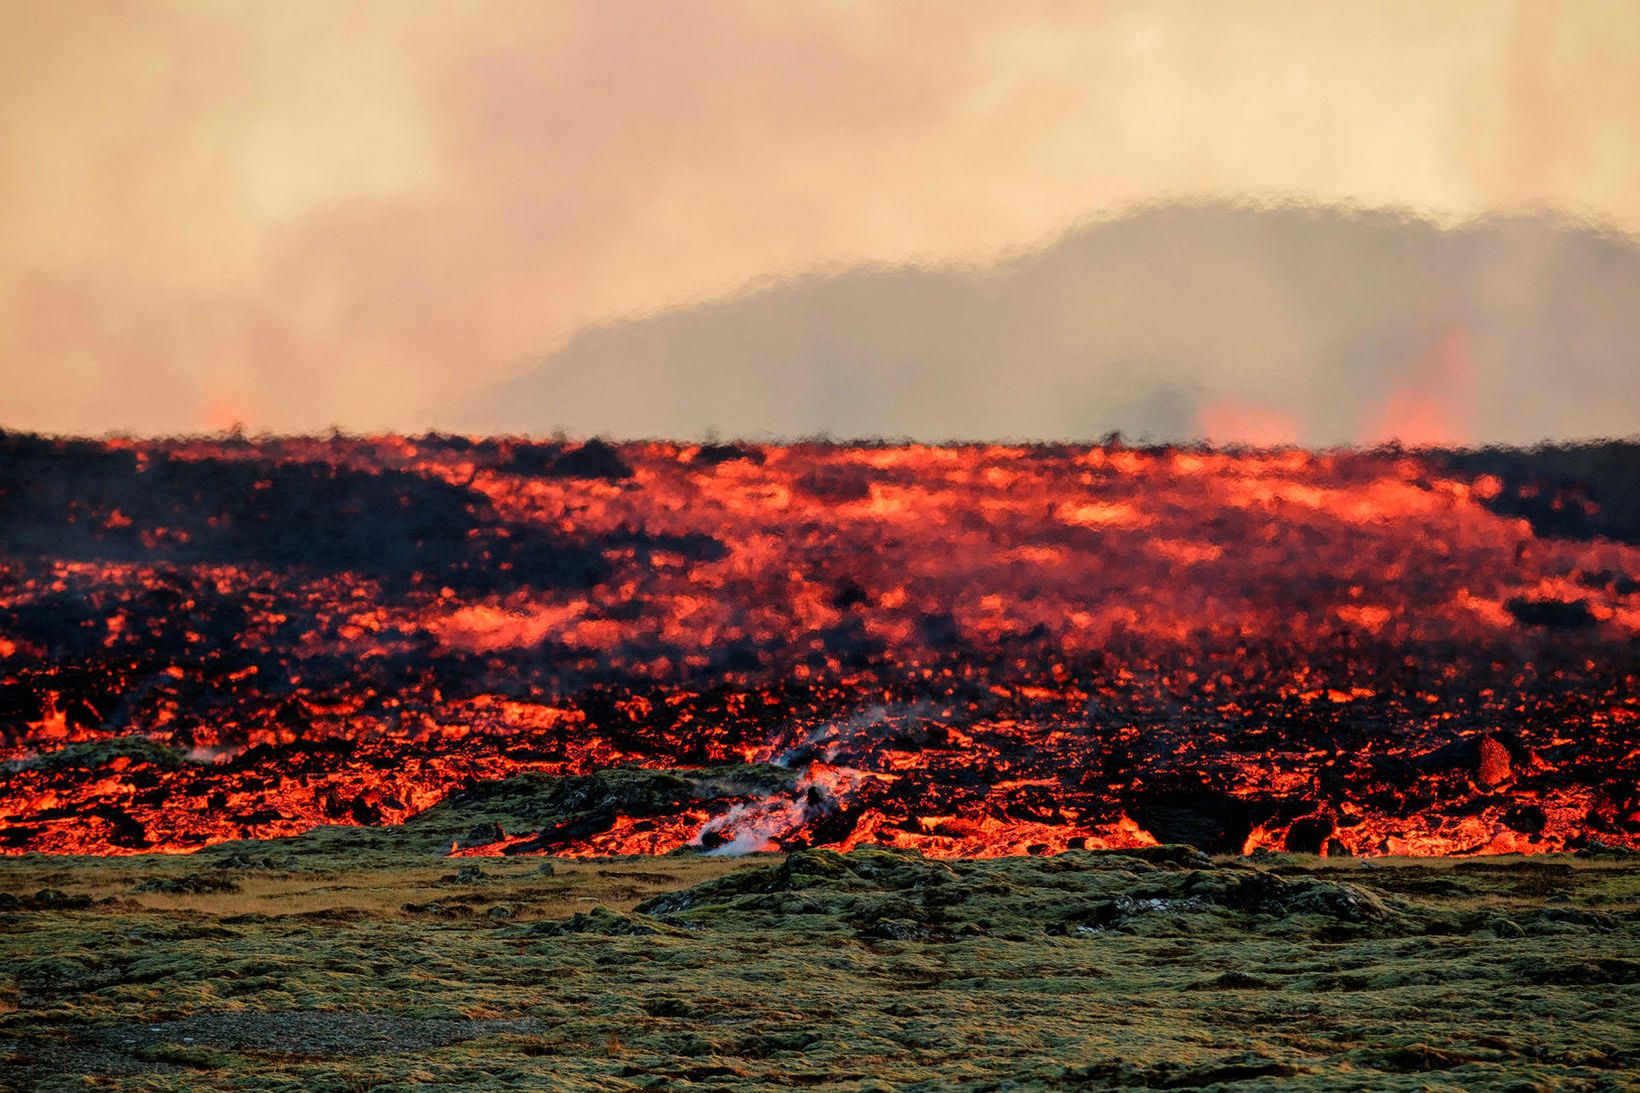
394,763
966,650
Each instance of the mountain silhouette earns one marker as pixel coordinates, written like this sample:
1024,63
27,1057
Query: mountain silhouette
1319,325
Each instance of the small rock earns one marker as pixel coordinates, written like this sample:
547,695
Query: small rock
57,900
242,860
432,908
193,884
467,874
893,929
1234,981
599,920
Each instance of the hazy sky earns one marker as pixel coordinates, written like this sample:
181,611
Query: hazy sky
308,213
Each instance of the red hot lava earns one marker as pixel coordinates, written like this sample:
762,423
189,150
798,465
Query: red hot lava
970,650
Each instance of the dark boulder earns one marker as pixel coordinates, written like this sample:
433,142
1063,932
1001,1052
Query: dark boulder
1551,614
1209,820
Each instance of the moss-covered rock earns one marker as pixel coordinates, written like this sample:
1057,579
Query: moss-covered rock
873,969
884,894
602,921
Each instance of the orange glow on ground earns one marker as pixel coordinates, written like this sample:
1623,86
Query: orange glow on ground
976,650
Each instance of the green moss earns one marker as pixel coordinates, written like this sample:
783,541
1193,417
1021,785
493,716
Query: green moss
92,754
874,969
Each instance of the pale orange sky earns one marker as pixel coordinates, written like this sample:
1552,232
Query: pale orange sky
310,213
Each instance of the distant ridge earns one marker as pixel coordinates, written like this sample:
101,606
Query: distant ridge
1313,324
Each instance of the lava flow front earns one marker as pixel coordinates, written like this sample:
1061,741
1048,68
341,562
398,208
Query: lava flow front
969,650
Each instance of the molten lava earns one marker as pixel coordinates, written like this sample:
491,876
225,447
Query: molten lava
972,650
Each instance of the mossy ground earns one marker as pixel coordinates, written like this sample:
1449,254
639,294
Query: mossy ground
291,967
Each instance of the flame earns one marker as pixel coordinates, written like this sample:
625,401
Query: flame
1228,422
1431,404
224,412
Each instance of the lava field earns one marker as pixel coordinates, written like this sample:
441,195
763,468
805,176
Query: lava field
967,650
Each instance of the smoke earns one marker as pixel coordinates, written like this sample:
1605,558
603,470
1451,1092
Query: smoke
1276,324
755,826
823,787
306,214
829,738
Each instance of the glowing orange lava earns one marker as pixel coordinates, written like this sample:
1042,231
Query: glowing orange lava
971,650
